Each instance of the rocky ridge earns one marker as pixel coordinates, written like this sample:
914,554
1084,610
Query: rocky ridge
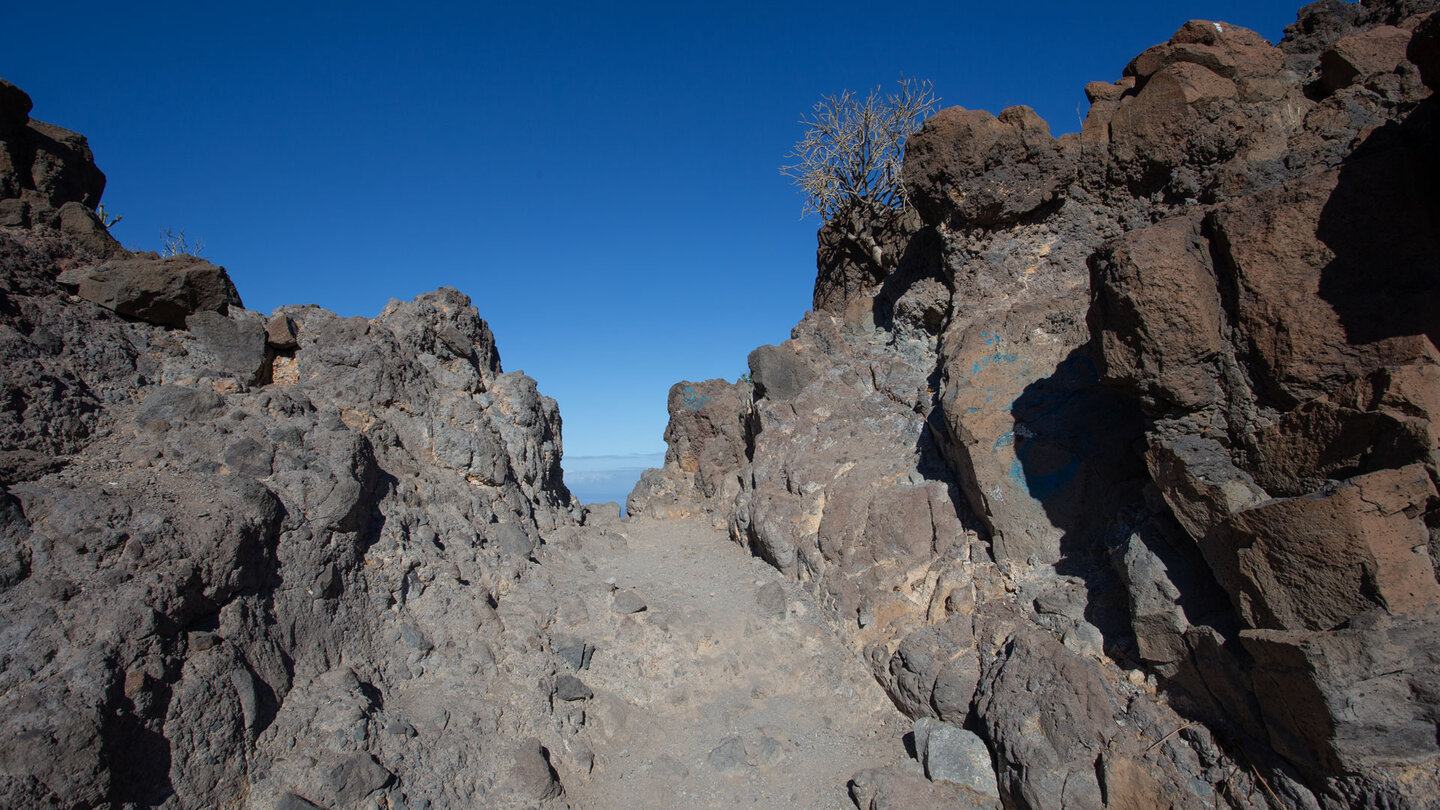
252,560
1126,459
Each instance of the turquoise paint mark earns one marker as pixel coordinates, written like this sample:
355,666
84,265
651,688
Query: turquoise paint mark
1017,474
1041,486
691,400
994,358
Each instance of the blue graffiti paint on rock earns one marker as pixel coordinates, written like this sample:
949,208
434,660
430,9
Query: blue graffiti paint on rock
691,400
1041,485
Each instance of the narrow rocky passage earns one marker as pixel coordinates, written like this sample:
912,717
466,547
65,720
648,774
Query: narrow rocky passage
713,681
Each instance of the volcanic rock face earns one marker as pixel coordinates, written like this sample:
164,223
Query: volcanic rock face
243,560
1136,421
705,446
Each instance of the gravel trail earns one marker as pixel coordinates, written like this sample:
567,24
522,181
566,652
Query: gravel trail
725,690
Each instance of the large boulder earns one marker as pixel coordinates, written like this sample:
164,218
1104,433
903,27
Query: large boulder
1309,305
1316,562
970,168
779,372
1156,314
1358,56
163,291
1207,115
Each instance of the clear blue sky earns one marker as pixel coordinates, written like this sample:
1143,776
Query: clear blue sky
602,179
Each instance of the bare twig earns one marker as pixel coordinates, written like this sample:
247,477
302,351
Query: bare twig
1263,783
1179,729
175,244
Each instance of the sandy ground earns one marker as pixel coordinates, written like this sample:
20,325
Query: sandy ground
726,690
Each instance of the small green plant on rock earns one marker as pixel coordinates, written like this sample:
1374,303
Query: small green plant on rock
106,218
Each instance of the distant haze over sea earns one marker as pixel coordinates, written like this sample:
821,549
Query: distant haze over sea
597,479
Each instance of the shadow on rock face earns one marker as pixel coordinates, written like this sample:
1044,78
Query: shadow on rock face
1382,222
141,759
1075,445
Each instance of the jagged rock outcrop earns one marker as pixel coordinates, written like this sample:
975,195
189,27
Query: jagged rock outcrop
704,451
250,561
48,176
1164,441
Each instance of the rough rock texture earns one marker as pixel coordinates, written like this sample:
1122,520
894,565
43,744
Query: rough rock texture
705,443
251,562
1127,463
971,168
162,291
48,176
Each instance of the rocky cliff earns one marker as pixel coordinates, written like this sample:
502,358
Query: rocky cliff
251,560
1127,461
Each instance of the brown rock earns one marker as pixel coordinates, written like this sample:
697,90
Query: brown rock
161,291
1314,563
1200,482
281,333
64,169
1165,125
1317,25
80,224
1360,700
15,106
970,168
46,165
705,451
1387,420
1225,49
1309,304
1353,58
1106,91
1129,785
1155,315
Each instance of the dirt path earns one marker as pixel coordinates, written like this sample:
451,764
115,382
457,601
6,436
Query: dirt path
725,690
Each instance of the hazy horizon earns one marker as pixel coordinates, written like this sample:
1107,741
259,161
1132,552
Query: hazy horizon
609,477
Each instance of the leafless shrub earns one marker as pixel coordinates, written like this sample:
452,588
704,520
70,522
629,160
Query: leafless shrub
174,243
848,163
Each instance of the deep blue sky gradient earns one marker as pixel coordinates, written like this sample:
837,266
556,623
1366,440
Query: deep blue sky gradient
602,179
